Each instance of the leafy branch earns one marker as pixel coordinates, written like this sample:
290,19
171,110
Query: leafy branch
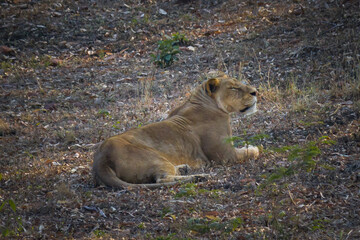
247,140
300,158
13,219
168,49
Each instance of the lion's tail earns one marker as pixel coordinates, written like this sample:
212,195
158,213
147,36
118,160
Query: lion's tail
105,175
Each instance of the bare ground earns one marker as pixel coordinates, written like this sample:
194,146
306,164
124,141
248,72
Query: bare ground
76,72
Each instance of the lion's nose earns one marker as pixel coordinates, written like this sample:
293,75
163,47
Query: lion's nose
253,93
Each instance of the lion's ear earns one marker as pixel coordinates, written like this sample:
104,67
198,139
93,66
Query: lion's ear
221,74
212,85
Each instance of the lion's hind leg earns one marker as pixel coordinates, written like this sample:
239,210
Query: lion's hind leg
182,169
177,173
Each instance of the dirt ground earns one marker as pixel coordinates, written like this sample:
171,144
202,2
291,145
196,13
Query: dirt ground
76,72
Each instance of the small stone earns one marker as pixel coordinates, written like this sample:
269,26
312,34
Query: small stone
55,62
6,50
162,11
97,101
57,14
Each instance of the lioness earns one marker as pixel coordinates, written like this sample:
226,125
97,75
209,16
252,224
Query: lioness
194,135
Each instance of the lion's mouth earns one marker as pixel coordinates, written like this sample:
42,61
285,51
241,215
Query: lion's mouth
249,110
245,109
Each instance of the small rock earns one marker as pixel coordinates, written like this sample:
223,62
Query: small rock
191,48
57,14
242,29
347,103
97,101
162,11
23,6
6,50
50,106
41,228
188,48
78,104
55,62
91,52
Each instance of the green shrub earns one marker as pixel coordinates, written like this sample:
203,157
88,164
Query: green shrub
247,140
168,49
300,158
180,38
6,65
187,190
190,190
202,226
98,233
104,113
13,223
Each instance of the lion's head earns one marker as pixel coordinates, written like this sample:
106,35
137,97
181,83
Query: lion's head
231,95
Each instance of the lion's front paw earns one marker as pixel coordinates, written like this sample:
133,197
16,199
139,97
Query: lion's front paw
247,152
253,152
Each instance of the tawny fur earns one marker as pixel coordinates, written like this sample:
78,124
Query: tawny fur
194,135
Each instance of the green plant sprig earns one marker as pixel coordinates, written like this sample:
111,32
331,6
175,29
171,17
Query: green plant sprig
300,158
14,222
247,140
168,49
